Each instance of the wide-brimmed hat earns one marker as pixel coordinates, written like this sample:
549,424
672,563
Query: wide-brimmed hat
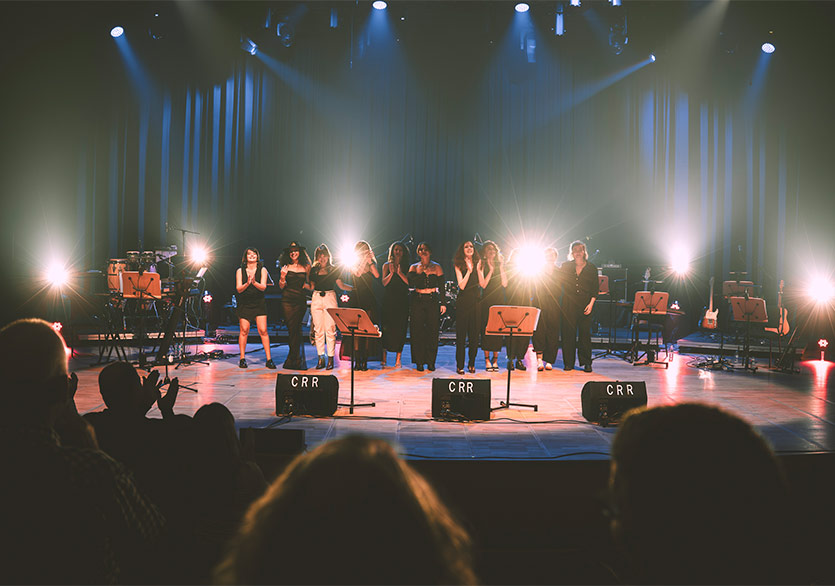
294,246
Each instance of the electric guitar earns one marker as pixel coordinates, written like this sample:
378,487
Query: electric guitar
710,320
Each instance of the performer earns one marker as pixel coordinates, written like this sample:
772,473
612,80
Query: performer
250,281
425,277
518,293
468,275
580,289
547,293
395,301
295,266
364,272
325,278
493,283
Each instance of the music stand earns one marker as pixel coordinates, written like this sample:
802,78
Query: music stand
354,322
648,304
141,285
737,288
603,289
749,310
510,320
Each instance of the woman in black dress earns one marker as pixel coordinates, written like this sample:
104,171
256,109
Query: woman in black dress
493,283
580,287
364,272
395,301
546,338
468,275
295,266
425,309
250,281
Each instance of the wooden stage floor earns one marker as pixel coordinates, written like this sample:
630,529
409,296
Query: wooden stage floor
793,411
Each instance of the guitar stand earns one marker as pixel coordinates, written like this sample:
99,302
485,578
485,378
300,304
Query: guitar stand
354,323
506,320
647,303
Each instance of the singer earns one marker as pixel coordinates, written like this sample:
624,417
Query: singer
250,281
580,288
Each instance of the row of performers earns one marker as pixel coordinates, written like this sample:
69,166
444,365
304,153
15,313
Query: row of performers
564,293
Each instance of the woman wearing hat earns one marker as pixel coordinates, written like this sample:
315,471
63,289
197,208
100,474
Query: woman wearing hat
295,266
250,281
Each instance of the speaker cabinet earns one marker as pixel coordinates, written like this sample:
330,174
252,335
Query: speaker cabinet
460,398
306,394
606,402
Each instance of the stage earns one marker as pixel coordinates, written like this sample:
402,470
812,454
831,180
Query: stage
794,411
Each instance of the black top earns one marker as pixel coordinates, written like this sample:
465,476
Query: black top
470,292
251,295
326,282
548,290
579,288
424,280
294,287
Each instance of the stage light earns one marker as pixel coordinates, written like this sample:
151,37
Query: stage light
615,2
57,326
249,47
652,57
207,297
680,262
348,257
821,290
199,255
530,260
57,275
559,22
768,48
379,5
117,32
822,344
575,2
522,7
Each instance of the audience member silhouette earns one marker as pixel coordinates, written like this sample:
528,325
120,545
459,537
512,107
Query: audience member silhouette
350,512
697,497
68,515
228,484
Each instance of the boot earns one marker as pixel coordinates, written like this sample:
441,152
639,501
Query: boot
330,363
321,363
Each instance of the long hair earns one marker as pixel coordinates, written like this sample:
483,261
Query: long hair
350,487
405,259
258,264
426,245
304,259
363,245
499,257
571,250
459,261
320,250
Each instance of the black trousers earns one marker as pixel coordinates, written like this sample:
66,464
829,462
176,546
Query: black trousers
467,326
546,338
293,314
425,319
576,333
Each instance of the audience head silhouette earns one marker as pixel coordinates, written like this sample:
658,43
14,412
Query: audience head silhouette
33,366
121,389
698,497
349,512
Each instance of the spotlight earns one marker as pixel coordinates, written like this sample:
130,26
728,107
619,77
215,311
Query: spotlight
821,290
58,326
615,2
249,46
768,48
822,344
530,260
207,297
680,262
117,32
349,256
652,57
522,7
286,33
379,5
199,255
57,275
575,2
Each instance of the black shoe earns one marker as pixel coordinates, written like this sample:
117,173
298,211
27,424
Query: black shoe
587,368
270,364
431,367
321,364
471,369
330,363
242,363
460,371
568,368
520,365
419,368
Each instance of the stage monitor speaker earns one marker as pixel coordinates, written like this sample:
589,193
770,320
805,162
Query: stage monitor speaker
606,402
460,398
306,394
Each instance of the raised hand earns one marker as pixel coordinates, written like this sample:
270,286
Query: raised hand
166,403
150,390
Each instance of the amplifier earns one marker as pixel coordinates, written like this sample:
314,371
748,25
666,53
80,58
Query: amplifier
306,394
460,398
606,402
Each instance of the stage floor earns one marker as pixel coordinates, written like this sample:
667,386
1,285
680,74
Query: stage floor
793,411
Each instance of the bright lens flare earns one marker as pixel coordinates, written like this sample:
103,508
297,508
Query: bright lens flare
57,275
680,262
199,255
530,260
821,290
349,256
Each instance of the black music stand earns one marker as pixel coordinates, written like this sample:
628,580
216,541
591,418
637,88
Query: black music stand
749,310
603,286
141,285
354,322
507,320
648,304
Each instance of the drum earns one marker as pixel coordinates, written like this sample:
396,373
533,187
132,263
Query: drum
115,267
133,260
147,259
